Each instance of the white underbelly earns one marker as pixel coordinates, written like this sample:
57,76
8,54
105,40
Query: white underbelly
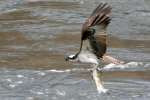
87,57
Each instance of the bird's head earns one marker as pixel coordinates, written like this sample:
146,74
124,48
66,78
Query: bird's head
71,58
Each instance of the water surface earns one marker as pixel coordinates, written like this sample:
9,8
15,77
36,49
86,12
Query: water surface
35,35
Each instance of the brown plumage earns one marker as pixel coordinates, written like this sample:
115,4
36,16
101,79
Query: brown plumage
100,17
93,44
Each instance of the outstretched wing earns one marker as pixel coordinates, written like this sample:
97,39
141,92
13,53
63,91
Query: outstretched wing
100,17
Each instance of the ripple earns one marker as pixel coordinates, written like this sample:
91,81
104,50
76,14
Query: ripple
12,85
8,80
19,82
60,92
42,73
20,76
33,41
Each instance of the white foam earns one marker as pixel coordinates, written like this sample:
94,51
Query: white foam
123,66
69,70
9,80
30,98
106,67
34,0
102,90
19,82
59,71
20,76
39,93
42,73
147,65
12,85
62,93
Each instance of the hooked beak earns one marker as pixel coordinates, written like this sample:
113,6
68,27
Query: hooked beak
66,58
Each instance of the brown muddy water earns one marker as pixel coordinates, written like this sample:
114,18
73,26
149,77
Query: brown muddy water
35,36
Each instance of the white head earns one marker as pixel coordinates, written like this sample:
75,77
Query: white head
71,57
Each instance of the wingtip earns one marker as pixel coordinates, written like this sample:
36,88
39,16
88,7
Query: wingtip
101,7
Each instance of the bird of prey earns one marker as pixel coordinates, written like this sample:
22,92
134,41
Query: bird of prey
93,42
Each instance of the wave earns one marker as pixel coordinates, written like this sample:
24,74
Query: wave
130,66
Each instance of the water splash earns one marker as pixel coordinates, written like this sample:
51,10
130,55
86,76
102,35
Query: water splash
123,66
110,67
70,70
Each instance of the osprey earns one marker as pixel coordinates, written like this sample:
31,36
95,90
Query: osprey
93,44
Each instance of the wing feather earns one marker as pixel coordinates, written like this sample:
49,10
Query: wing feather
100,17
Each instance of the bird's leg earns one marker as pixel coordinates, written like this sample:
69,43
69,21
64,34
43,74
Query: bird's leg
98,81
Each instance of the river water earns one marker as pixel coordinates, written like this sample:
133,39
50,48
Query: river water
36,34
